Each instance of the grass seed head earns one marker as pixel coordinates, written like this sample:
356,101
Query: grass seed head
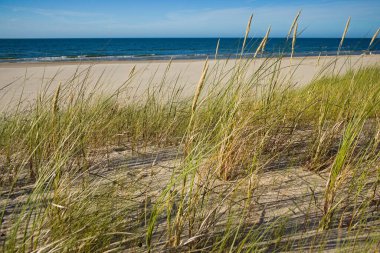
293,25
246,33
374,37
344,34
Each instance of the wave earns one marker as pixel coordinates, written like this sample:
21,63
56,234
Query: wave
102,58
94,57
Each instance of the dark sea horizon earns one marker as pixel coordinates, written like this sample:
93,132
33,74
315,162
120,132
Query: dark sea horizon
117,49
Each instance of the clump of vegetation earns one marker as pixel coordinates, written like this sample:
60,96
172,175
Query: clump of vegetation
249,163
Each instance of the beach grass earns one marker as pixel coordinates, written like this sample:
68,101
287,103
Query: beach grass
249,163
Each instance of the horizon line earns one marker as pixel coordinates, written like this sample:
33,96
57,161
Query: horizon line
225,37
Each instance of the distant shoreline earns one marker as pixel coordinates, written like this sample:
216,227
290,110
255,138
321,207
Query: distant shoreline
92,61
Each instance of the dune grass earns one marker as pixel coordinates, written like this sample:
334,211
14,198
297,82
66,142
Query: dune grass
63,191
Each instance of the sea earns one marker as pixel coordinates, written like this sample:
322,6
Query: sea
117,49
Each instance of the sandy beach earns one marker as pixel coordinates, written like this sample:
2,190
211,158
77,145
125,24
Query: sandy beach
29,79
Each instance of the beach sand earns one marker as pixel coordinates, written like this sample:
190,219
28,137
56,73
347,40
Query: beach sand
23,81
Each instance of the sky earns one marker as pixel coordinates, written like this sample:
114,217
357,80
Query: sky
183,18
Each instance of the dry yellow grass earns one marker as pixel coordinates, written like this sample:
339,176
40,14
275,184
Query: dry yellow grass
246,34
217,49
374,37
263,43
293,25
294,39
344,34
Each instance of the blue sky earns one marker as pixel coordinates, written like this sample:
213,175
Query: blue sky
183,18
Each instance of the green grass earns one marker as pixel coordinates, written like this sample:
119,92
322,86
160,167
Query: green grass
58,156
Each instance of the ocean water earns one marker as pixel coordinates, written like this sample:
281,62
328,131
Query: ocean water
31,50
